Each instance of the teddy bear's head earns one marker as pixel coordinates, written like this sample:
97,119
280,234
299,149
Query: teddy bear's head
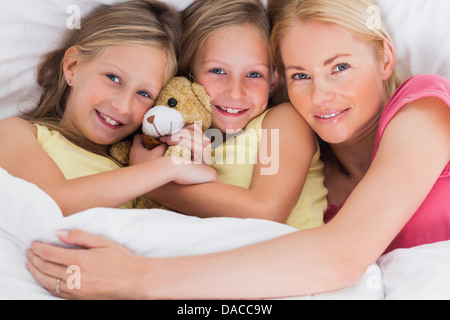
180,102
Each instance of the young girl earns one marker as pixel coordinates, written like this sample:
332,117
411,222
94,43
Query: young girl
342,82
96,89
225,48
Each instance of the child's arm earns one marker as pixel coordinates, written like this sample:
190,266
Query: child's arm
22,156
269,196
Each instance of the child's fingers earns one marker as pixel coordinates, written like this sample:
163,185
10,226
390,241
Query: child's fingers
193,138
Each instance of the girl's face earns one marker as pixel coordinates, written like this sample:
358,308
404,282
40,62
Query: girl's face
234,68
111,92
334,80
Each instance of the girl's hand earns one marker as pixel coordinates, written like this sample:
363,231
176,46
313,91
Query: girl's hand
105,270
193,173
193,138
140,154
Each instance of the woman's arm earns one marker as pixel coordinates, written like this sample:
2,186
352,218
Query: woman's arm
331,257
305,262
270,196
22,156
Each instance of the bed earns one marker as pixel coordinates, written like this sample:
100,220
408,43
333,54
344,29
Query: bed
29,28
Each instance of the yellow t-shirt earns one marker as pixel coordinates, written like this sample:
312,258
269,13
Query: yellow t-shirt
234,162
73,161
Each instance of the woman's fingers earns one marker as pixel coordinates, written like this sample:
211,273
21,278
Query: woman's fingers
82,239
48,263
52,276
97,269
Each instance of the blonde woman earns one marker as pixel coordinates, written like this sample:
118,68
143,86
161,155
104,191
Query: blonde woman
96,90
388,163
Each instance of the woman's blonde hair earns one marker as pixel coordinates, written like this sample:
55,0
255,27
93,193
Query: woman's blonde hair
147,23
203,17
359,17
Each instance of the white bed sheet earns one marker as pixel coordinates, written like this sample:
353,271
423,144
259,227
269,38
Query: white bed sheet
28,214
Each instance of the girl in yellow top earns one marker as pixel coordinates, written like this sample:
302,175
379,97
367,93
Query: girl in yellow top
225,48
96,89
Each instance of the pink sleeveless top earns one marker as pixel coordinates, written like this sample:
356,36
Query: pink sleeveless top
431,222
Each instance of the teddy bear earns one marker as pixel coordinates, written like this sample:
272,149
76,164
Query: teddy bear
181,102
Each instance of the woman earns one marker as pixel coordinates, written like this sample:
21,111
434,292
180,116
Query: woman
340,76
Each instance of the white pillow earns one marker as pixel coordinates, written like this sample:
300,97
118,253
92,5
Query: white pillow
419,273
420,32
29,29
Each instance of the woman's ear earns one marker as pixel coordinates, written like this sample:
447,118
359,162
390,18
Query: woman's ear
70,63
388,60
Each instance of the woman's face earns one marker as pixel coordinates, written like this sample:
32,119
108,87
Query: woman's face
234,67
334,80
111,92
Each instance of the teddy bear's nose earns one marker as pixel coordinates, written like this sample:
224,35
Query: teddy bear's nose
151,119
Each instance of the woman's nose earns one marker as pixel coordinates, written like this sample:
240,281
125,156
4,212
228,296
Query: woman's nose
322,92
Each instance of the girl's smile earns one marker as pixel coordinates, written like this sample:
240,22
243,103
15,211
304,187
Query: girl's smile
234,67
106,120
231,112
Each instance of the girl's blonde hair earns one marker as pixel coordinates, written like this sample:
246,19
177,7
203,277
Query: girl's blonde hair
147,23
359,17
203,17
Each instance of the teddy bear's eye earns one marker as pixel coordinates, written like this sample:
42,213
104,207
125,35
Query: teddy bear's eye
172,102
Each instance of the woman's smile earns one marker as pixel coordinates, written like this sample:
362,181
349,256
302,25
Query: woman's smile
331,117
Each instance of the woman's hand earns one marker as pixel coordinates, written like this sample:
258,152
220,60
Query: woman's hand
193,138
105,270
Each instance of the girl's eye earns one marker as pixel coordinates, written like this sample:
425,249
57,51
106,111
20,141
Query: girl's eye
114,78
217,71
341,67
254,75
300,76
144,94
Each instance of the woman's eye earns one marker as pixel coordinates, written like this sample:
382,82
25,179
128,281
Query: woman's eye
114,78
144,94
341,67
255,75
300,76
217,71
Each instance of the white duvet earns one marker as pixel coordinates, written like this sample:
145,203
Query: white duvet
28,214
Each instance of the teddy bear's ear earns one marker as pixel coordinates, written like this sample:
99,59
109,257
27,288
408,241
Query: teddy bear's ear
201,94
